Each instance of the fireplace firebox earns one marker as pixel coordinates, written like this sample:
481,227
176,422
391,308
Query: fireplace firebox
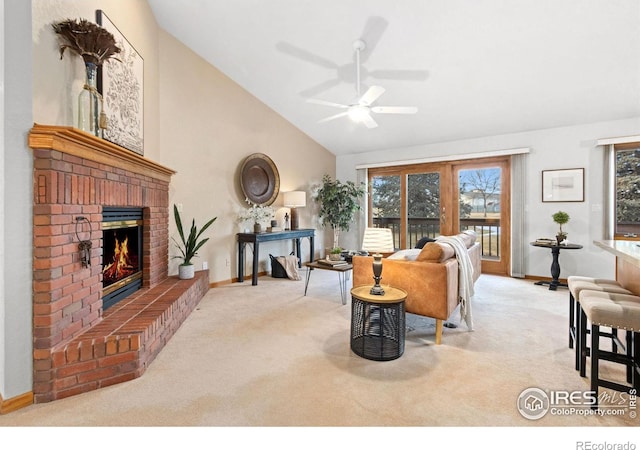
121,253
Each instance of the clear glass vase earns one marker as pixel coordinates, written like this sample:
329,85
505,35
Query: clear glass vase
89,103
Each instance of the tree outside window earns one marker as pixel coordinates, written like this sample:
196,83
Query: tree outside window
628,191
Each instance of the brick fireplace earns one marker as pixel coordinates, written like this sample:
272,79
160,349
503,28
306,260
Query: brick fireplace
78,345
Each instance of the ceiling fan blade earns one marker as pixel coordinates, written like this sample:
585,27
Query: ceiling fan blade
394,109
369,122
325,103
418,75
373,31
327,119
305,55
371,95
319,88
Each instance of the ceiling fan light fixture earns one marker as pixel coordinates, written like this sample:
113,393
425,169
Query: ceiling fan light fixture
359,110
358,113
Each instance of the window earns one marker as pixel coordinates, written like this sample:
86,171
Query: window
627,191
445,198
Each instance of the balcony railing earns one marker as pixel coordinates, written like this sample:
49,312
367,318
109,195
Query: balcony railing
487,230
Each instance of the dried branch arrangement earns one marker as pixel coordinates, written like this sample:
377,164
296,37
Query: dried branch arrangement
92,42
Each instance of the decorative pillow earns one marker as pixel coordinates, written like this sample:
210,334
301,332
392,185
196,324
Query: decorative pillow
409,254
435,252
423,241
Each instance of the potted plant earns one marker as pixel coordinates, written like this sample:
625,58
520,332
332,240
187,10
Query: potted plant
257,214
338,202
561,218
188,245
335,254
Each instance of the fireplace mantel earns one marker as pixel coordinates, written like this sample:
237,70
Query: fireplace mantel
84,145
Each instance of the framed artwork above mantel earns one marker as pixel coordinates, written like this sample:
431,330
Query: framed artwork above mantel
121,84
563,185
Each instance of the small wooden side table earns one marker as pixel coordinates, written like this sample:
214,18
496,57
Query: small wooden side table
344,272
555,263
378,323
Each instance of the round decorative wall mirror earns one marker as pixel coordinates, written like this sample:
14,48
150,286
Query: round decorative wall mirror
259,179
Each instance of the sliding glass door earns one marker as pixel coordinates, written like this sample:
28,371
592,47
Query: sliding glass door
429,200
484,205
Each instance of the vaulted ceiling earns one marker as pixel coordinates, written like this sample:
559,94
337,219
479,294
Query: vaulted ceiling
471,67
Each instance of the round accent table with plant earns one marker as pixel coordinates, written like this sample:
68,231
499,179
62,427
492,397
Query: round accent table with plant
188,245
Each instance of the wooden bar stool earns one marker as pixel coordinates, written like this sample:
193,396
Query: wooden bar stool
617,311
576,285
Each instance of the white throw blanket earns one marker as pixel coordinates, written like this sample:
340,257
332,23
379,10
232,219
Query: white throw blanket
465,276
290,264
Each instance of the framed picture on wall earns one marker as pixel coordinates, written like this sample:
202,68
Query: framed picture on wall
121,84
564,185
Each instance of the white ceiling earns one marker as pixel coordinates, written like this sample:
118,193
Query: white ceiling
489,67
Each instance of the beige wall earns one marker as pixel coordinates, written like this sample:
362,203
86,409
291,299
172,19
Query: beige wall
208,126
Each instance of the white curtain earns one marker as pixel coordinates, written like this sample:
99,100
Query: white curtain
609,193
361,218
518,202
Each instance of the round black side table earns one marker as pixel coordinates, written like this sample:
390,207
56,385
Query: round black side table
378,323
555,263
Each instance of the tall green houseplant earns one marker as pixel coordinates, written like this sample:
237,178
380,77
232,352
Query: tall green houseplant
338,203
189,245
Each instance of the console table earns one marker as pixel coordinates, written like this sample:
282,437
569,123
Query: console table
257,238
555,263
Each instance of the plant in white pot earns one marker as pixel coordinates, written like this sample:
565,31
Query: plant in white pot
188,245
338,203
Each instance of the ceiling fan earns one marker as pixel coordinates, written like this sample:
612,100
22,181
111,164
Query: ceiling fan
372,33
360,109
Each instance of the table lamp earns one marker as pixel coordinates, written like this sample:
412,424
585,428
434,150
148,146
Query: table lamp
377,240
293,200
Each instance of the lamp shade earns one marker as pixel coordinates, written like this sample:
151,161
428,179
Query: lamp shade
378,240
295,199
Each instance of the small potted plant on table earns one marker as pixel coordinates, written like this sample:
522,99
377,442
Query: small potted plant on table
336,254
258,214
561,218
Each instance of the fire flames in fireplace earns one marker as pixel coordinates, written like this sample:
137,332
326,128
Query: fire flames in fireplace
121,265
121,253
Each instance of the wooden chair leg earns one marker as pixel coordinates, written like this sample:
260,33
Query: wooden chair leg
438,331
572,319
630,367
595,356
636,356
582,343
577,330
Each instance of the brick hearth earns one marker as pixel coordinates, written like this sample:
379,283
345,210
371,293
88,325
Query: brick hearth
77,346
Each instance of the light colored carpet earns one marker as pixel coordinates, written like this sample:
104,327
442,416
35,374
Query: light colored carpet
263,356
